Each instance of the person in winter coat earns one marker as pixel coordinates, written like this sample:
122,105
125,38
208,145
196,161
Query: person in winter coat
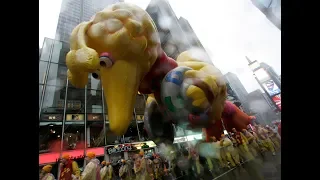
157,167
228,152
106,171
142,168
125,171
92,169
242,143
253,145
46,173
69,169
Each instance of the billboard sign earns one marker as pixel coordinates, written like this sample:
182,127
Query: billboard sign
277,99
271,87
118,148
51,117
75,117
95,117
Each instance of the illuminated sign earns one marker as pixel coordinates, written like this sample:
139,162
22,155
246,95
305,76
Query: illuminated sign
187,138
95,117
119,148
277,99
51,117
271,87
180,140
139,117
75,117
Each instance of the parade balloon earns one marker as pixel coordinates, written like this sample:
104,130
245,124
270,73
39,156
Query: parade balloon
179,106
125,54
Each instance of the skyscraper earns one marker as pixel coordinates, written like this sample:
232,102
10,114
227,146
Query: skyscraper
258,104
268,80
236,86
272,10
274,76
176,35
73,12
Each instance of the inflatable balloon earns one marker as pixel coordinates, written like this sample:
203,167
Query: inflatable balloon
121,47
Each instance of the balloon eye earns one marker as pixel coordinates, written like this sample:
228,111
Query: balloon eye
96,75
105,60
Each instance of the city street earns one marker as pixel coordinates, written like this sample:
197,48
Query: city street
270,168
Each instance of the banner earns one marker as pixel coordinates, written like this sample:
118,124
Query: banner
75,117
94,117
119,148
271,87
277,100
51,117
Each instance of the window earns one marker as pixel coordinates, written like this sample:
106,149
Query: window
57,49
74,136
97,136
75,100
40,93
42,71
140,105
53,100
57,75
132,134
94,101
93,83
46,48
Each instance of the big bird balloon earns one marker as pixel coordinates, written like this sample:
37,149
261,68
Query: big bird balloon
120,46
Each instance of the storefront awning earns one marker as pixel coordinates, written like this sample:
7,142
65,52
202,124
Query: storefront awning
46,158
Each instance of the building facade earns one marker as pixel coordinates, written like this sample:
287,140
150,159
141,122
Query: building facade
73,12
236,90
269,81
176,35
260,107
272,10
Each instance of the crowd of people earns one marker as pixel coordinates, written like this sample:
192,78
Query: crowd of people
228,151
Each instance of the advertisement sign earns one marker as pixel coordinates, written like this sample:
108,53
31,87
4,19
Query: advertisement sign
75,117
51,117
95,117
119,148
139,117
271,87
277,100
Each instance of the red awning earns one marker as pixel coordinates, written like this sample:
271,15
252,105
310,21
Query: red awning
46,158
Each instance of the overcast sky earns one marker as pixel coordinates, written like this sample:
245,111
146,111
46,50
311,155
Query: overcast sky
228,29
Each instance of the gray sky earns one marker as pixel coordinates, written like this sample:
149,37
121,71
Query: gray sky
228,29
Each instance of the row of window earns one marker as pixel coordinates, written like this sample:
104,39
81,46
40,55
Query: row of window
57,75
